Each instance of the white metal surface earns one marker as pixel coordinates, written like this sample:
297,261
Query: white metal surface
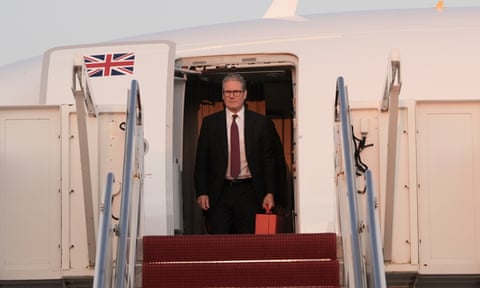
448,184
154,70
30,243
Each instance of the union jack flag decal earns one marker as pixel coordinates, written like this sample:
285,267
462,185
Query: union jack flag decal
114,64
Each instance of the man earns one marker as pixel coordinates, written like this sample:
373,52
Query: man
231,201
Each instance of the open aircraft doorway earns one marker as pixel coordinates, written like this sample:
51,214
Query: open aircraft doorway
271,91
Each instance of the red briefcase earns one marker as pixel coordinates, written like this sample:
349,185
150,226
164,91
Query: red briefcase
268,223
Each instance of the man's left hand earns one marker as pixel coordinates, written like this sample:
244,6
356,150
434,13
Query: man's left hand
268,202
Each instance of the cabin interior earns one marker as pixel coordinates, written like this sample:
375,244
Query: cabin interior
270,92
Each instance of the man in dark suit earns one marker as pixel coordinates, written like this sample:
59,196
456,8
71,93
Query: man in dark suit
231,201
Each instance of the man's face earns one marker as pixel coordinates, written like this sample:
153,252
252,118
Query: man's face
233,95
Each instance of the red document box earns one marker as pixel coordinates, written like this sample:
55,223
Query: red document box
268,224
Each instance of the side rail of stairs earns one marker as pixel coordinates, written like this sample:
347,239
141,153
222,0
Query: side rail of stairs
120,271
103,260
362,248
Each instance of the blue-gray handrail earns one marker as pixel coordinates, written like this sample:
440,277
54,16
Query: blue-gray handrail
343,115
131,190
103,261
132,178
371,252
375,245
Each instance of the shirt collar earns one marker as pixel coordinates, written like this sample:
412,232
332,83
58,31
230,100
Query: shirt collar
239,113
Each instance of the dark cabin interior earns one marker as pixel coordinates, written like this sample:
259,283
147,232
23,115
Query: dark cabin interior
270,92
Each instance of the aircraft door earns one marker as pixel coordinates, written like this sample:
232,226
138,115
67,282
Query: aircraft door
110,68
448,202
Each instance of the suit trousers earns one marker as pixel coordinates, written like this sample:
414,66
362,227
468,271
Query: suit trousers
236,209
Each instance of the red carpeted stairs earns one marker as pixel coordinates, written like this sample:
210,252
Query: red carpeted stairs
281,260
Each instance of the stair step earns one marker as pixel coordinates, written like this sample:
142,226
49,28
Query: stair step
263,274
245,260
239,247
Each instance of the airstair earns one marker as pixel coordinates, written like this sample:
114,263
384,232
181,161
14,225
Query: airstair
353,258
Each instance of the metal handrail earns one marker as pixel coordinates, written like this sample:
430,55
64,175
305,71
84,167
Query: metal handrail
356,255
374,246
342,115
103,263
131,190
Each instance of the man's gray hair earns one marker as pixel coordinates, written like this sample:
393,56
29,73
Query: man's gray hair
233,76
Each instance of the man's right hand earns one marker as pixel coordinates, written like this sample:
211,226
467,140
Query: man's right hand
203,202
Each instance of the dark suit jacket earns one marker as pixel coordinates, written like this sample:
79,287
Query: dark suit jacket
212,155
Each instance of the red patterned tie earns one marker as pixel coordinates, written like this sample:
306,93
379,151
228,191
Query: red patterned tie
234,149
